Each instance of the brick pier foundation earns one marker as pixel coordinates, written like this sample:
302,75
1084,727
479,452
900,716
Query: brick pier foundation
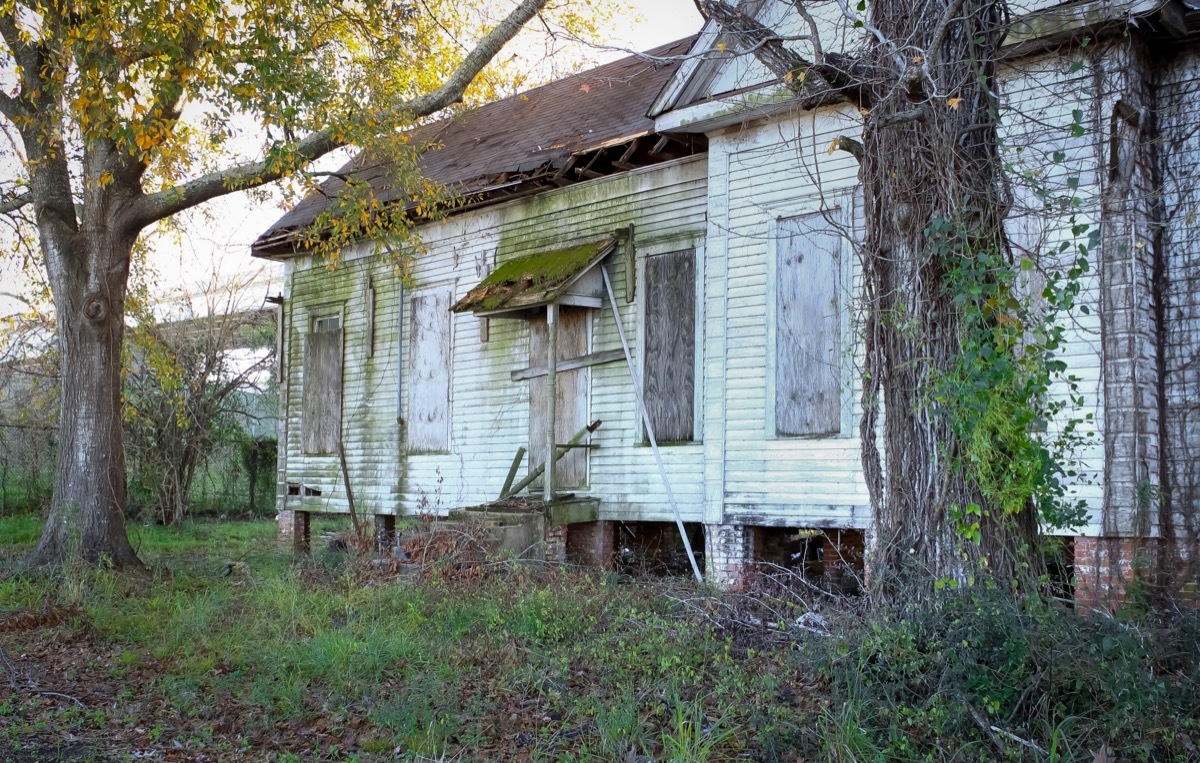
294,530
591,543
728,555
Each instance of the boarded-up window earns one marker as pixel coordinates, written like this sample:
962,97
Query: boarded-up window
808,327
321,418
429,373
670,381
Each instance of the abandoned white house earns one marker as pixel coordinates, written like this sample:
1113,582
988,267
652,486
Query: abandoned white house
681,215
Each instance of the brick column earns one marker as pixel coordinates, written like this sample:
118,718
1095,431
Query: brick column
728,555
1104,568
591,543
286,519
294,530
556,542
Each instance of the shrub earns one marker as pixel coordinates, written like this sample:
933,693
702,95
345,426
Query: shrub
982,675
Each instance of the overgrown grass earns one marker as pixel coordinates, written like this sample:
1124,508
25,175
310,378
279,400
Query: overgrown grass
542,665
565,665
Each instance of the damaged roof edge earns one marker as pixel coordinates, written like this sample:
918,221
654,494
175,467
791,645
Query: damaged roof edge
541,134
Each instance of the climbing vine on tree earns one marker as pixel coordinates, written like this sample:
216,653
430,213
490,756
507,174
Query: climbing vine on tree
959,369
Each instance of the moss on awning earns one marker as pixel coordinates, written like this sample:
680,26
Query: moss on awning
534,280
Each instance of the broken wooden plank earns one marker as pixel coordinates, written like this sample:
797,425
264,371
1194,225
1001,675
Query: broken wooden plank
593,359
560,451
560,178
512,471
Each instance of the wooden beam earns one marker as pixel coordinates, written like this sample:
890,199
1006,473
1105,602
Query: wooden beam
630,252
560,177
584,361
551,396
661,145
641,404
623,162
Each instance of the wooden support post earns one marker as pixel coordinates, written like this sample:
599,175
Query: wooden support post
358,530
551,395
512,472
385,534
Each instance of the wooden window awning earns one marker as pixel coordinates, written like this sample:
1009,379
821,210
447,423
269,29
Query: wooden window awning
561,276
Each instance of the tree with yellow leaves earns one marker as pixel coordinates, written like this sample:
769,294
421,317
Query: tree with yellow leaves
122,113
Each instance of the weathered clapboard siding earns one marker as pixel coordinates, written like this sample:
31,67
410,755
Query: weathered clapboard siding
767,174
667,208
1040,97
1178,114
489,413
368,380
746,459
780,170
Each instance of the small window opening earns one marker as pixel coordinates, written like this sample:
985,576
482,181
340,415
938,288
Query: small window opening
327,324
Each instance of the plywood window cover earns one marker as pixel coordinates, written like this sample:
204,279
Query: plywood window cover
536,280
670,398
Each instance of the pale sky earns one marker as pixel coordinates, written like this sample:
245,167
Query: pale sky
218,238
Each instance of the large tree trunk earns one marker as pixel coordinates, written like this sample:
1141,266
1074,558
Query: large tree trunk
929,153
88,271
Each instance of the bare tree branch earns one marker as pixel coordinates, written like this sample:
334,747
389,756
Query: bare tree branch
10,205
10,107
813,30
943,27
153,207
837,74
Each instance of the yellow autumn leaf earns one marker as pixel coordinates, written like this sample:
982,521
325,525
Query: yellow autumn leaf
954,102
835,145
721,47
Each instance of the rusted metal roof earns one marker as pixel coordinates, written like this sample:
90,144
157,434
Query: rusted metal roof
540,134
